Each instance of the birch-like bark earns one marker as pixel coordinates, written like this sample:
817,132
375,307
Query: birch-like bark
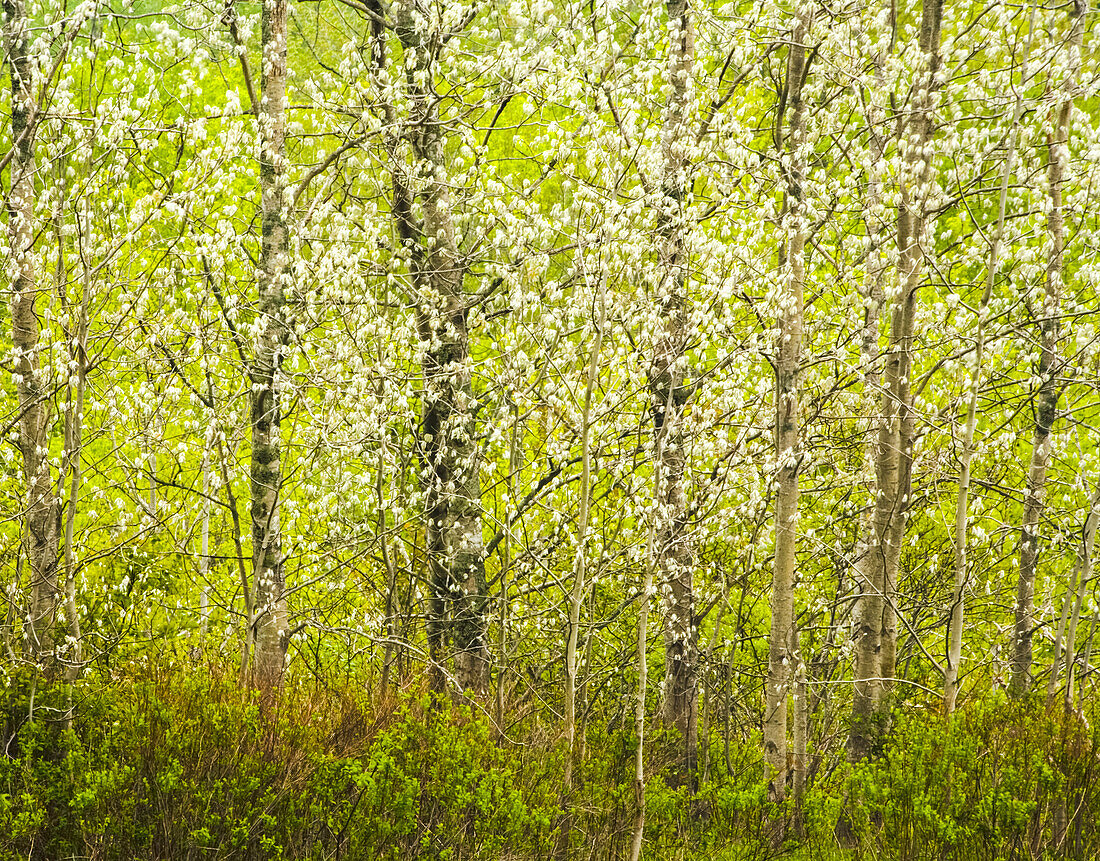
670,391
962,521
270,619
870,571
1046,399
782,635
898,421
1084,572
71,467
41,512
204,547
391,569
642,664
800,762
580,561
449,455
876,638
514,468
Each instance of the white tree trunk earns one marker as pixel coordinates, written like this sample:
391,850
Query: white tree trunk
788,450
897,416
670,390
870,571
580,560
958,596
41,512
269,601
1046,399
1084,571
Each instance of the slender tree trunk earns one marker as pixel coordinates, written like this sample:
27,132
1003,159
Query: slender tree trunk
870,570
1084,570
580,561
782,636
800,762
448,449
643,667
514,467
962,522
898,420
1046,399
41,512
71,466
876,649
270,616
204,547
670,391
1059,636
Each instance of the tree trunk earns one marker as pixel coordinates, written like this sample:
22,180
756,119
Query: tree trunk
898,421
870,570
1046,399
670,391
71,463
800,762
270,616
782,635
1084,571
41,512
204,547
642,664
447,445
580,561
962,522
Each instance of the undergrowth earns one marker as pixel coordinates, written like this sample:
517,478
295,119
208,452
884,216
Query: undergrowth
180,764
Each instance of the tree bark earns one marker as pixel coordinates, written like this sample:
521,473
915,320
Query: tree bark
269,600
870,569
1046,399
876,641
670,391
800,761
580,560
781,656
41,521
643,666
962,522
1084,571
72,460
448,449
897,419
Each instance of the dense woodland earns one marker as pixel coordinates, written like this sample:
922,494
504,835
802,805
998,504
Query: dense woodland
506,429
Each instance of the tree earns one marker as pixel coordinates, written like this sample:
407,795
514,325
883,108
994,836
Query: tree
447,439
266,478
896,419
782,639
1049,370
671,390
41,518
958,597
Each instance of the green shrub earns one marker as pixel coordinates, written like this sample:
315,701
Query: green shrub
997,780
183,766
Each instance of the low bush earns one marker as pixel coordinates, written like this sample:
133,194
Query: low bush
1000,779
182,766
174,764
